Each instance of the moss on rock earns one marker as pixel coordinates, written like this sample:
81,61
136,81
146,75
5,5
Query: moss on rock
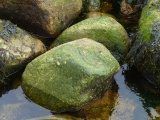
105,30
145,53
70,75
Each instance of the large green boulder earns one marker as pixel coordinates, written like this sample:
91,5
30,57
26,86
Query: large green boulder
46,18
70,75
17,48
145,53
105,30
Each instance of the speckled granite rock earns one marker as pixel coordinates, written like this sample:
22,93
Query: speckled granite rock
17,48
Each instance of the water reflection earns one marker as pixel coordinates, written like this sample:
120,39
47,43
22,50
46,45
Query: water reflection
15,106
136,101
102,108
149,94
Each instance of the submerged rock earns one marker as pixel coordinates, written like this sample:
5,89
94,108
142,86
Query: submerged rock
17,48
105,30
47,18
106,6
145,53
102,108
130,11
126,8
91,5
70,75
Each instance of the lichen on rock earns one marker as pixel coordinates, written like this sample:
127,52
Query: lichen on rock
17,48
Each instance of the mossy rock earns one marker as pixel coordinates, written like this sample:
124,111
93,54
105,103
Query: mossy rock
70,75
45,18
17,48
145,53
105,30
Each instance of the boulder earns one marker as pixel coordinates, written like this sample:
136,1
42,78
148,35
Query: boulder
17,48
46,18
69,76
105,30
145,53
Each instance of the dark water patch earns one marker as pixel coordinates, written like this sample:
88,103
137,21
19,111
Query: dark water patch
137,100
148,92
129,105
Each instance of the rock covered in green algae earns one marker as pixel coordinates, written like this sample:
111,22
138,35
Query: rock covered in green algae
105,30
70,75
47,18
17,48
145,53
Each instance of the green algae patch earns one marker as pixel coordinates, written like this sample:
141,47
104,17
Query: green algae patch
149,16
70,75
145,53
105,30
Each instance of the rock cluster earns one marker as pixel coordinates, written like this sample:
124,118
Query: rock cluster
83,58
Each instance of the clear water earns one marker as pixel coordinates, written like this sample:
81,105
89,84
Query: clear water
130,105
14,105
137,100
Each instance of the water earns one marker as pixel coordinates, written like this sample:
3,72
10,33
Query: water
129,105
136,100
14,105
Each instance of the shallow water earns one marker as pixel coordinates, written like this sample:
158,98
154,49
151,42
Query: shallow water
130,105
136,100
